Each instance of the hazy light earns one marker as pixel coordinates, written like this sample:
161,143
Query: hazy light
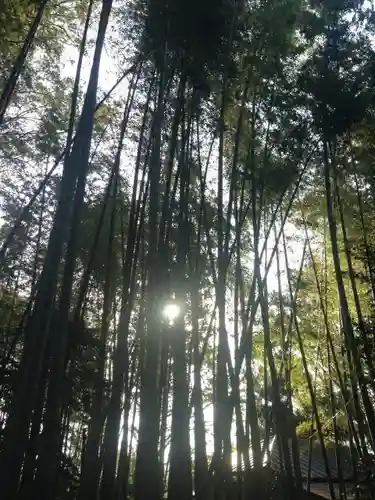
171,312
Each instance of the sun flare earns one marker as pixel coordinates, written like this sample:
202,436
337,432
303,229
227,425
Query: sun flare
171,312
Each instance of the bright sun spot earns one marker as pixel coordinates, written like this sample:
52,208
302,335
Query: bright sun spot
171,312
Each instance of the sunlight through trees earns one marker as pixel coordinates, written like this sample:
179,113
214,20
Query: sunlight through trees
187,254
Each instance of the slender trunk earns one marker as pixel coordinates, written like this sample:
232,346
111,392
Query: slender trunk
77,79
363,225
335,427
200,455
91,470
201,485
357,303
165,386
30,462
120,365
309,382
292,430
263,301
180,480
147,463
48,462
30,366
350,402
36,265
222,453
123,465
352,350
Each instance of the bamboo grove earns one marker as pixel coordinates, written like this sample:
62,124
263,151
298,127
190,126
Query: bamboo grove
187,257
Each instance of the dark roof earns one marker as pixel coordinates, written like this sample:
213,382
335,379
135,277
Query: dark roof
317,468
319,487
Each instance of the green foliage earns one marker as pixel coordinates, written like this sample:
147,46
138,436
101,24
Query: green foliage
15,17
93,213
198,36
250,89
336,78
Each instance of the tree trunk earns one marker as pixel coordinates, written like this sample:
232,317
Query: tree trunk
147,463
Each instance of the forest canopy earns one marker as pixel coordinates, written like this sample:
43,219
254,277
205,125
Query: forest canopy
187,249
